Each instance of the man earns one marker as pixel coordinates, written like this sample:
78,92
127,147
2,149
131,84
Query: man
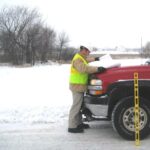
78,85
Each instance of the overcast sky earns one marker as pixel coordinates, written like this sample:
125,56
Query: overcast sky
99,23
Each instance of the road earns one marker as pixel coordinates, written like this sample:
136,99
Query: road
54,136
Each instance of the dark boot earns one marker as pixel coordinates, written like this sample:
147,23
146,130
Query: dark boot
83,126
75,130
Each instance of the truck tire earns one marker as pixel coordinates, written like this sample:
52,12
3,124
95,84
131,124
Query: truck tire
123,118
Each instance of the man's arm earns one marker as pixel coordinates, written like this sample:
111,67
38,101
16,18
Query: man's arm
91,59
83,68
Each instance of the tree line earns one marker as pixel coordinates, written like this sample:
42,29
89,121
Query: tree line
24,38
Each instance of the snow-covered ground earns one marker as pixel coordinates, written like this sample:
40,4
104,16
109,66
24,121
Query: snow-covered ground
34,107
39,94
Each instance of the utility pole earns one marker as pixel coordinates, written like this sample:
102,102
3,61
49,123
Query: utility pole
141,45
141,51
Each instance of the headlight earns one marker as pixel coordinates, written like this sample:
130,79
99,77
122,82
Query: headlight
95,90
96,82
91,87
99,92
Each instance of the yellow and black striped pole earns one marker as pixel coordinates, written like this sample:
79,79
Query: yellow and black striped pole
136,110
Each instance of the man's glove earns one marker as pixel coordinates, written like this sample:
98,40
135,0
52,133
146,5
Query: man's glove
101,69
97,58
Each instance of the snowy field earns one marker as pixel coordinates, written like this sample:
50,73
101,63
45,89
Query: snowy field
39,94
34,95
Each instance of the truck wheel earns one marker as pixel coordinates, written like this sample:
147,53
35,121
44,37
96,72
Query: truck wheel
123,118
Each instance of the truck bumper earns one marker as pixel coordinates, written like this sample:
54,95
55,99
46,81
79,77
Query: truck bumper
98,106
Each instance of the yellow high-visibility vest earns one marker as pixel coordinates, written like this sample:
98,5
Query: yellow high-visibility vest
75,76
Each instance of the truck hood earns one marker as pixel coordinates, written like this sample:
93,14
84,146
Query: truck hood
121,73
116,74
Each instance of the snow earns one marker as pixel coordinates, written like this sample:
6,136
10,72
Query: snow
36,94
40,94
114,52
107,61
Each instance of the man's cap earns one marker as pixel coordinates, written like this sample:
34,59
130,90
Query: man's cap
83,47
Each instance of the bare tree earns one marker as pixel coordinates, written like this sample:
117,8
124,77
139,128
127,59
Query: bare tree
48,38
40,42
24,38
32,39
14,22
63,41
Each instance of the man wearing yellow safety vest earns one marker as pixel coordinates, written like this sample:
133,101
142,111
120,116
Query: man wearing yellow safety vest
78,85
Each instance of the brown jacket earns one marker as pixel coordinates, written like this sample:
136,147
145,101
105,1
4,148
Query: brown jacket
81,67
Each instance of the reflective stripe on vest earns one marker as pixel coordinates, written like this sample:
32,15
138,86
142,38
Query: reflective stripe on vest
75,76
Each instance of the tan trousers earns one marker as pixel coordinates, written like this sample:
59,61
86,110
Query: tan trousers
75,116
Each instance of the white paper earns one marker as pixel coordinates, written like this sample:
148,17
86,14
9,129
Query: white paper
106,61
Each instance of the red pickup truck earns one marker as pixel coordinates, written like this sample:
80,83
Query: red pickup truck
110,96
